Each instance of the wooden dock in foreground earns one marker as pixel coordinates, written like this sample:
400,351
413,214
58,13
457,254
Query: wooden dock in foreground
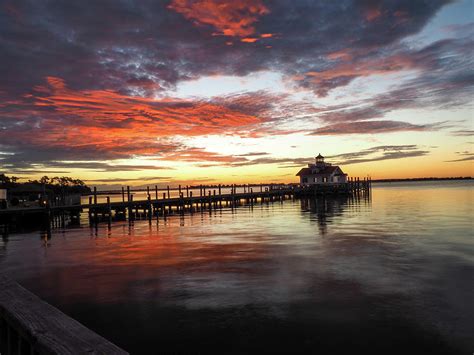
31,326
160,203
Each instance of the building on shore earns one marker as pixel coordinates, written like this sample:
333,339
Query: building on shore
321,173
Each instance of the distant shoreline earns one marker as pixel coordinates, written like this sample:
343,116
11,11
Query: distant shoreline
423,179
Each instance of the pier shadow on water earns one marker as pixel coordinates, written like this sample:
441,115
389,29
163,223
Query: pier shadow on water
305,276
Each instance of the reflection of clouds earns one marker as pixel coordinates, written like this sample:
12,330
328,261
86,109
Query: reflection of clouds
326,261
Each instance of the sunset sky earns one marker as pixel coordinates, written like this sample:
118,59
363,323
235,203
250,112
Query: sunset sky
202,91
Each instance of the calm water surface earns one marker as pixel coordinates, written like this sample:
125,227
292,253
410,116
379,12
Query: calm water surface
389,274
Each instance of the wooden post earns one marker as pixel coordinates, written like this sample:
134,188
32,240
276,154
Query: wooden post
150,211
128,193
123,194
232,191
148,190
179,190
130,205
95,203
95,195
164,195
181,201
90,209
168,189
109,210
220,190
156,192
187,191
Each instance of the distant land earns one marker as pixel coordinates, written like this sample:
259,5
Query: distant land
424,179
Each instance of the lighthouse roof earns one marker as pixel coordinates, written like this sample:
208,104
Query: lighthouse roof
326,171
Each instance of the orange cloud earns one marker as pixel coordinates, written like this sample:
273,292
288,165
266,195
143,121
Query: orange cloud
162,117
230,18
107,121
342,54
249,40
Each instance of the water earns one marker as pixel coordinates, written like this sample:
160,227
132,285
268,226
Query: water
389,274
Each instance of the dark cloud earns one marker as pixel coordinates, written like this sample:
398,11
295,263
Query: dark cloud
253,154
37,171
143,178
463,156
372,127
463,132
129,44
446,82
288,162
378,153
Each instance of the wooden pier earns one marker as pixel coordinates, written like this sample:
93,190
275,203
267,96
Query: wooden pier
28,325
31,326
121,204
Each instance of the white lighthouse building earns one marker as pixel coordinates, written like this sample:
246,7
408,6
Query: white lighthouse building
321,173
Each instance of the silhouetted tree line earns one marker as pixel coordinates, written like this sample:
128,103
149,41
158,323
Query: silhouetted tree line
57,184
8,181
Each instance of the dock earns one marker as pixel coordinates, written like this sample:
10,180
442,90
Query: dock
121,204
28,325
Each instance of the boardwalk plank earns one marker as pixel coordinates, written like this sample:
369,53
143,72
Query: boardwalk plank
46,328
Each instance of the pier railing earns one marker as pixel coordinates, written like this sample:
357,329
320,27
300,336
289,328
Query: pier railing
31,326
155,202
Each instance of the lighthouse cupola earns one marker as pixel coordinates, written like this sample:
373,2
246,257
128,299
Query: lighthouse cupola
320,160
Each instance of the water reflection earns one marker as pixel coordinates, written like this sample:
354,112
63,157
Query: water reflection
381,274
325,208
